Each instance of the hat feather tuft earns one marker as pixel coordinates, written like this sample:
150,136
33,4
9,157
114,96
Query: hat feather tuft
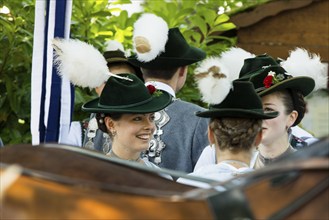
113,45
150,37
234,60
214,80
302,63
80,62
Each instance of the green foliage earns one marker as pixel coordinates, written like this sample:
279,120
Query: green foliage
16,31
96,22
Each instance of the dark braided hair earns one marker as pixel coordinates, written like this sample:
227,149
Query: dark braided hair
100,117
235,134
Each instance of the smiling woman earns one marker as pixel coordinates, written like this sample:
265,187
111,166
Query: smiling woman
125,108
130,133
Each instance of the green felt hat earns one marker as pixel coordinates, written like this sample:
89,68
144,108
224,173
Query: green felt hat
241,102
115,56
118,56
124,96
256,63
274,78
177,53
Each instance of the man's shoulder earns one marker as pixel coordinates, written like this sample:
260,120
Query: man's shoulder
184,104
185,112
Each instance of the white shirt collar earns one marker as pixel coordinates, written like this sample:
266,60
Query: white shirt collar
162,86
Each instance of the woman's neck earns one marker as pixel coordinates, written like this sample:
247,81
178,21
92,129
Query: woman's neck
275,149
227,155
124,153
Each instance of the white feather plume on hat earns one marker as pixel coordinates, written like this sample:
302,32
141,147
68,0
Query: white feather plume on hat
113,45
234,60
80,62
302,63
214,80
150,37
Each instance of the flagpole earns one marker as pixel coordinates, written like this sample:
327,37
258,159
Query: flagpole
52,97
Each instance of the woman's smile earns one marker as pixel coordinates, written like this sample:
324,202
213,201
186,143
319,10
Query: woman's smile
145,137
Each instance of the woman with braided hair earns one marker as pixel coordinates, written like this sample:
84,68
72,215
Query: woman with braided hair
235,127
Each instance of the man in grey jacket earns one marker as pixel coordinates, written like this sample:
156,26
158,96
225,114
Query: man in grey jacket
163,56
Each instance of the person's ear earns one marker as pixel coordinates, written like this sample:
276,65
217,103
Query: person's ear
211,136
109,124
182,70
292,118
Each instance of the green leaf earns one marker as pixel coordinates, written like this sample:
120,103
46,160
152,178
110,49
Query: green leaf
122,18
119,35
223,27
106,33
200,23
101,14
221,19
209,15
171,7
6,26
121,2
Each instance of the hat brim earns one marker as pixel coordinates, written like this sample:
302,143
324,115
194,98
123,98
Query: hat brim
117,60
155,104
304,84
192,55
236,113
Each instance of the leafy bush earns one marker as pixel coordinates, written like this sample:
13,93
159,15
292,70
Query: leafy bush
16,31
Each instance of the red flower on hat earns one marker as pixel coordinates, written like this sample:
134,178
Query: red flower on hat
272,78
151,89
268,81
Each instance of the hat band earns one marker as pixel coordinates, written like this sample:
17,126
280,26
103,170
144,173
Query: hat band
125,106
258,110
260,89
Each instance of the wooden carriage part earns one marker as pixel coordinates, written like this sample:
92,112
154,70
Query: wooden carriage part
70,183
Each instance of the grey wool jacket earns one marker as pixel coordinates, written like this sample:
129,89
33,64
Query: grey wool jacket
184,137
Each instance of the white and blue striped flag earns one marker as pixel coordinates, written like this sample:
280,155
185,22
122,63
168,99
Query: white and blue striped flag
52,97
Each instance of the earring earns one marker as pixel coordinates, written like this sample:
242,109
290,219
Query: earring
114,133
107,143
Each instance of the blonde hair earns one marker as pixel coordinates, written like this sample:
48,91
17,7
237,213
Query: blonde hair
235,134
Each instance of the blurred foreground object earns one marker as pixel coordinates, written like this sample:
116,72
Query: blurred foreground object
53,185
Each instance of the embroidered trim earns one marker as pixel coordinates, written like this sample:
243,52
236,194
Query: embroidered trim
156,145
